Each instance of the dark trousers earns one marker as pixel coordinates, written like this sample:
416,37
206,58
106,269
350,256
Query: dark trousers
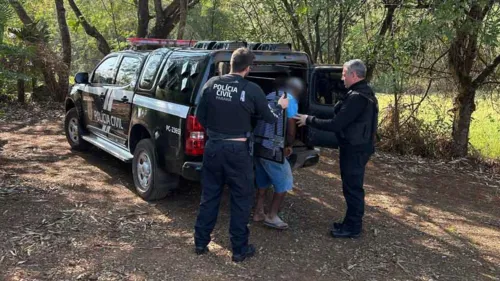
352,171
226,162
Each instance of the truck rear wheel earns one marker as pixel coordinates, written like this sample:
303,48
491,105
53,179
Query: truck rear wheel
151,182
73,130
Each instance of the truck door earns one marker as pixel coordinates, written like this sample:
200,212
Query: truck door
120,98
326,88
96,96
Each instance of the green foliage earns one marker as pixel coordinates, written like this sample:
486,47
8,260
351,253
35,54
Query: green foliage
409,55
433,123
5,16
33,33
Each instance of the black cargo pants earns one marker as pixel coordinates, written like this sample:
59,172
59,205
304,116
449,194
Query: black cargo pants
226,162
352,172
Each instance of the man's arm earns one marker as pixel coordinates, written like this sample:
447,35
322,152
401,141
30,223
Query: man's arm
291,131
262,108
354,105
202,110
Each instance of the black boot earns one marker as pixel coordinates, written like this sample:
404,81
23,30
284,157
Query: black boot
345,232
249,253
201,250
337,225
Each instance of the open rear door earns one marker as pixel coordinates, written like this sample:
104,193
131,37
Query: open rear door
326,88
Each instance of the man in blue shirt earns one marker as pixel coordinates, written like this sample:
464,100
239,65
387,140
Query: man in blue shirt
268,172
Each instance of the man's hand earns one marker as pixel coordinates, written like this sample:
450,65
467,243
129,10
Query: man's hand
301,119
288,151
283,102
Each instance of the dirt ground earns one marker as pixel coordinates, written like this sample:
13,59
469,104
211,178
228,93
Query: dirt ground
74,216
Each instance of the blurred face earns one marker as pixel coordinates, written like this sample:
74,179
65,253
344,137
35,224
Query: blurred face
296,87
348,78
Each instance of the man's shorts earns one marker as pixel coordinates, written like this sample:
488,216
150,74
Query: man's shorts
269,173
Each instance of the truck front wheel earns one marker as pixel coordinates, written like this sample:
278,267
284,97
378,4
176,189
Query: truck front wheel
73,130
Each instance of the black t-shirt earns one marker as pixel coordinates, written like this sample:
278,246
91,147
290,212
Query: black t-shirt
228,104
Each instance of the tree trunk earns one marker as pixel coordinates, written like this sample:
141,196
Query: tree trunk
33,84
20,91
2,29
142,18
317,48
386,25
167,18
464,107
462,56
340,35
214,9
102,44
182,18
63,73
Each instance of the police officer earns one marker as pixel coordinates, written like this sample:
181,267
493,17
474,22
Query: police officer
355,125
226,109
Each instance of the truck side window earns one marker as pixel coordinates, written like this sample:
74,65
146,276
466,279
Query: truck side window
128,71
329,87
105,72
150,70
179,79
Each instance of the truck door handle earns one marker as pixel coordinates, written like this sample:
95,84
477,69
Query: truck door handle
125,99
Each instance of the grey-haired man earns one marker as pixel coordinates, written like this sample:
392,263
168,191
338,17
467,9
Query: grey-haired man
355,125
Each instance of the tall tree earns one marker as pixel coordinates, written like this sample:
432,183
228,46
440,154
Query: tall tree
102,43
462,59
63,73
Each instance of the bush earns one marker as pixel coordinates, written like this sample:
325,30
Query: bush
414,136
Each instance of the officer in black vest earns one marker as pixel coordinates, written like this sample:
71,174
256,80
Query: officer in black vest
355,125
226,109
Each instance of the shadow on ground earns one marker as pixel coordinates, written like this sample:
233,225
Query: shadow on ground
71,215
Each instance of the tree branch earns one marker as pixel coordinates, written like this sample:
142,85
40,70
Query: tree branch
21,12
486,72
296,26
102,44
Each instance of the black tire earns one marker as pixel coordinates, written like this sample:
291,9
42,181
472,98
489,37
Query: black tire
151,182
74,131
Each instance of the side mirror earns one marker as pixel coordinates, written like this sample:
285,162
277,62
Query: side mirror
82,78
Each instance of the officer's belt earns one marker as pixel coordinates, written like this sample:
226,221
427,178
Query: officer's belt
212,135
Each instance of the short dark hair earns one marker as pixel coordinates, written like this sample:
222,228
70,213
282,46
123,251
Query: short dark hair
241,59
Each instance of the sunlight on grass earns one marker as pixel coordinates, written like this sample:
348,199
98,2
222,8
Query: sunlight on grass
485,126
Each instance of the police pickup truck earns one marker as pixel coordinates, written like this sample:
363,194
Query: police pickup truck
138,105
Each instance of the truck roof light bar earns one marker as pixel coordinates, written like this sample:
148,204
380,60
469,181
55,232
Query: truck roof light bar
136,42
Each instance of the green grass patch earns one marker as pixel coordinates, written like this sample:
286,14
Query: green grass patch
485,126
